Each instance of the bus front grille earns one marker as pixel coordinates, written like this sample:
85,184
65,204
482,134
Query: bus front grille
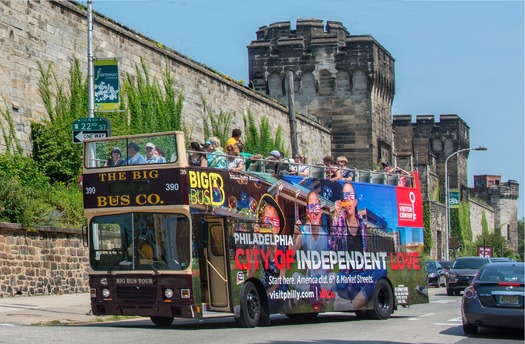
136,293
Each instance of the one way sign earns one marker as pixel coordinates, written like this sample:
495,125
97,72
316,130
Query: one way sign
80,136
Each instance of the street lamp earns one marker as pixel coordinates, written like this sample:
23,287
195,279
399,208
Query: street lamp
447,196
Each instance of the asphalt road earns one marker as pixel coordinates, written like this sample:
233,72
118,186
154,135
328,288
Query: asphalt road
436,322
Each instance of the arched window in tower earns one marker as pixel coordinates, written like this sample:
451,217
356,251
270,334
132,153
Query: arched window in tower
359,83
258,83
342,83
308,83
326,83
275,85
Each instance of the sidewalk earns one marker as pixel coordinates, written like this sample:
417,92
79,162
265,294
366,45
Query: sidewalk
46,310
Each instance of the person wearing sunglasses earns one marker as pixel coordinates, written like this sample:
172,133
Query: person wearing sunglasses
347,234
348,226
312,236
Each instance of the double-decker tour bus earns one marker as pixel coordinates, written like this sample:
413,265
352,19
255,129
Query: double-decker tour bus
167,240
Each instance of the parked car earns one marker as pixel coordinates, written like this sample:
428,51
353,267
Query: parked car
445,264
435,274
495,298
462,273
502,259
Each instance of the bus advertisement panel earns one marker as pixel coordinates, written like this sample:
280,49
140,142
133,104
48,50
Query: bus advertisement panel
315,245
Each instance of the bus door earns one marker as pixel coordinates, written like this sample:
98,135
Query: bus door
216,260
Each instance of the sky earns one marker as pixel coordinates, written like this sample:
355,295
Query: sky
451,57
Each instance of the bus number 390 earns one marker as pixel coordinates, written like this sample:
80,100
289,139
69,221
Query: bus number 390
172,186
91,190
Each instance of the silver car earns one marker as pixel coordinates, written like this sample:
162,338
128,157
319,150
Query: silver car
495,298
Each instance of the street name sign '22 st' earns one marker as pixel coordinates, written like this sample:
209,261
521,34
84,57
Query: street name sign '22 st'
90,128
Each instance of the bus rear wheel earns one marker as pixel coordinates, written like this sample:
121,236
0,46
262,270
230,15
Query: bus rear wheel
250,306
383,301
162,321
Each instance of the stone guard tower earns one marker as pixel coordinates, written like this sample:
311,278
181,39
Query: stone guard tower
346,81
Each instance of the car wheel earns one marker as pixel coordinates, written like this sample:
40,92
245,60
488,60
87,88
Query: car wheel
457,291
470,329
250,306
450,292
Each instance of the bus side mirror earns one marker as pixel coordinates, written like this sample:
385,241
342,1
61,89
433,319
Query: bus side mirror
202,231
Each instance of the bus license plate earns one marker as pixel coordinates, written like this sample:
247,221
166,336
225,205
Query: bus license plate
508,299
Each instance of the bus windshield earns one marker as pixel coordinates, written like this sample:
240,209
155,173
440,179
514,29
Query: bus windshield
140,241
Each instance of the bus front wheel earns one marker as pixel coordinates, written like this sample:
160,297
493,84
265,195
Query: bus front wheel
162,321
383,301
250,306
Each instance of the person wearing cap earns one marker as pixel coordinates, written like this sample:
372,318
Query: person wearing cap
134,157
272,162
343,173
216,158
116,158
153,156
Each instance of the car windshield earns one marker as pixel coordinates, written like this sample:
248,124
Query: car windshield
473,263
508,273
430,266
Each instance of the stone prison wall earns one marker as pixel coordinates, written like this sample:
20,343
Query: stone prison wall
42,261
55,32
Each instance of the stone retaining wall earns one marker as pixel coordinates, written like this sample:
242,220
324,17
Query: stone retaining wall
42,262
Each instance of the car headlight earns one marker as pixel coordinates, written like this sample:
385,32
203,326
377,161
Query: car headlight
105,292
432,275
453,277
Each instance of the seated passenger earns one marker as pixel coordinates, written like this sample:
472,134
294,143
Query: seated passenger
134,157
153,156
216,156
330,170
299,169
116,158
235,162
344,173
272,162
197,156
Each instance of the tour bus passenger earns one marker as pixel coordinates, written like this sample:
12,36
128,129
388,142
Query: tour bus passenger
272,161
116,158
235,162
134,157
235,138
216,156
330,170
344,172
299,168
198,156
153,156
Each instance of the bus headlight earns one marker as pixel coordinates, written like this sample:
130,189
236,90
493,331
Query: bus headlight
168,293
105,292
